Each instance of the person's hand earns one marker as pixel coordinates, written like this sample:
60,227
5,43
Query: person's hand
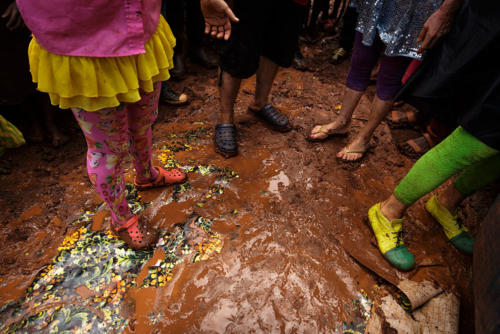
218,16
14,19
436,26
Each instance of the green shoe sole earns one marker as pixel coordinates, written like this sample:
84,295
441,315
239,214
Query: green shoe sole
401,258
463,242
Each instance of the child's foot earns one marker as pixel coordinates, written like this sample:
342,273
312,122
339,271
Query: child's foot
164,178
137,234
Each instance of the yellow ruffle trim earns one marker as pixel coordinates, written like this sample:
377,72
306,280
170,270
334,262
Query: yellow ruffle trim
92,83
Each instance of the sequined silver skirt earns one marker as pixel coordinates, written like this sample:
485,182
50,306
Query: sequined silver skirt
396,22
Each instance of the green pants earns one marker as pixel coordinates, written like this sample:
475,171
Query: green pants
10,136
478,163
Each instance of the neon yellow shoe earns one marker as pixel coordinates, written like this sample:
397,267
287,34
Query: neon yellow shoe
458,234
390,239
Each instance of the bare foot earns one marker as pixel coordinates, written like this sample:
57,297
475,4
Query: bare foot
35,133
337,127
58,139
353,151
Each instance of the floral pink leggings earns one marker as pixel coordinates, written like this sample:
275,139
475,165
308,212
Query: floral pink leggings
112,133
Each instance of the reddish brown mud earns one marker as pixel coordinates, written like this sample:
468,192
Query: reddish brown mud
282,221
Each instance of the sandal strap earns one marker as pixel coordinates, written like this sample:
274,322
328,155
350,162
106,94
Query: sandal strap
128,224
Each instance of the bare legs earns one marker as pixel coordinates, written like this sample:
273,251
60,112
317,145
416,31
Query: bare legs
359,145
342,123
230,87
265,77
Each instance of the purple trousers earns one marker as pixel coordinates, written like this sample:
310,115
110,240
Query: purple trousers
364,58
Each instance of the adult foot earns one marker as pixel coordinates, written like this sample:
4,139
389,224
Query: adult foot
169,96
299,62
336,128
354,151
273,117
338,56
225,140
416,147
453,228
389,234
57,138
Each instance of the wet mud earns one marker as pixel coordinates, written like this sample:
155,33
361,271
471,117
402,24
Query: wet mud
272,240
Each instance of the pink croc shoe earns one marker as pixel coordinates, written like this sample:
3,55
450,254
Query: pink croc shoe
136,234
165,178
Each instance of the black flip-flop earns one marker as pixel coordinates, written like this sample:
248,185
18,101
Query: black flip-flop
225,140
273,117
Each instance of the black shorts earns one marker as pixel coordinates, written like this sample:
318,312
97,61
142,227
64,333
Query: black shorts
268,28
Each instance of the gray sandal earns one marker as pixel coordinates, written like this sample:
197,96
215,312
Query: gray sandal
225,140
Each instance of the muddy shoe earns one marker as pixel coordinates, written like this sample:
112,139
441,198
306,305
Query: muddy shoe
225,140
277,120
164,178
299,62
136,234
401,119
458,234
339,55
390,239
169,96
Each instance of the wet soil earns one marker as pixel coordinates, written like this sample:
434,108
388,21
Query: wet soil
279,221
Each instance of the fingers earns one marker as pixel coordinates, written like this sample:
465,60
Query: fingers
422,38
207,28
12,19
19,23
213,31
422,34
231,15
227,30
220,32
432,41
7,12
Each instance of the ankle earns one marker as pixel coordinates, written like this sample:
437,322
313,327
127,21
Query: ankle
342,122
389,211
226,118
450,205
148,177
257,105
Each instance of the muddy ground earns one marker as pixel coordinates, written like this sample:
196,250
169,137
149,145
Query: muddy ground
271,259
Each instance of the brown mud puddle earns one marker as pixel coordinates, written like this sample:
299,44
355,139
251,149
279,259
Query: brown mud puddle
250,244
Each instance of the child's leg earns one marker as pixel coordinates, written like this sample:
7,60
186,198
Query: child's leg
478,175
107,140
141,116
457,151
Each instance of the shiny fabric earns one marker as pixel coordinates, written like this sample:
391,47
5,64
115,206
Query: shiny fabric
93,83
396,22
96,28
